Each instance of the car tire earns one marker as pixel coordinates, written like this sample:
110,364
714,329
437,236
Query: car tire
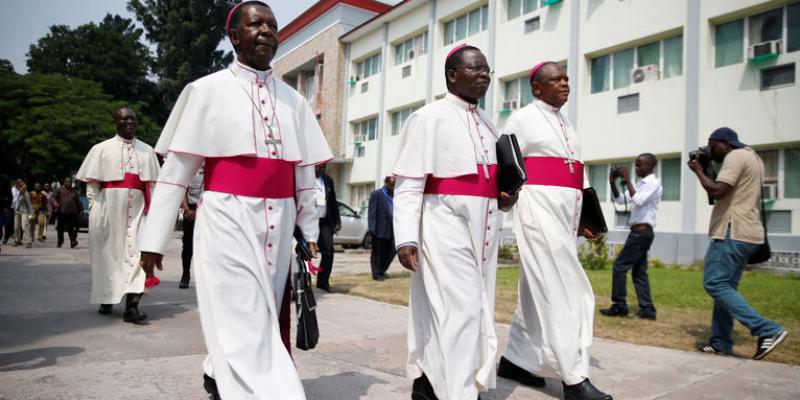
367,242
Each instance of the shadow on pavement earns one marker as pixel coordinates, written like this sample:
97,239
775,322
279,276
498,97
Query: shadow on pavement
46,356
346,385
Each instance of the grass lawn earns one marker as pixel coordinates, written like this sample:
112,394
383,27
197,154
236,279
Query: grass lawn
684,308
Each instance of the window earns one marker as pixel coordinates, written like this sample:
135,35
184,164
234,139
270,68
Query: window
779,221
729,43
413,47
406,71
309,89
516,8
365,130
359,196
777,77
466,25
628,103
359,151
673,57
532,24
615,69
671,179
364,87
399,118
518,90
793,27
370,66
600,74
598,179
766,26
623,64
791,173
770,160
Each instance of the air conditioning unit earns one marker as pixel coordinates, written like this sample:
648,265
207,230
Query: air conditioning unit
765,49
358,140
644,73
770,191
509,105
410,54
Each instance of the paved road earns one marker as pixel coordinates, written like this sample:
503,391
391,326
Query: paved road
53,345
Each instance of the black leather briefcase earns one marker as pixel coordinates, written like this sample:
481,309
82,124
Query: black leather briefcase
307,327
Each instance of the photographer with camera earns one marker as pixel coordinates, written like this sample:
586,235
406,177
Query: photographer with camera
736,233
645,197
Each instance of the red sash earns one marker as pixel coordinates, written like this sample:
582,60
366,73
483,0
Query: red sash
467,185
266,178
554,171
131,181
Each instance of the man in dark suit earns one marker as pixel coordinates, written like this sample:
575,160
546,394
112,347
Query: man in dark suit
329,223
380,227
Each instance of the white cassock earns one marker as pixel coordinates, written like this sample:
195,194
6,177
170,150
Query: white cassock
117,213
256,135
551,333
451,337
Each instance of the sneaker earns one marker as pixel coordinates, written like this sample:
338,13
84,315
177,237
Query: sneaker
768,343
614,311
710,349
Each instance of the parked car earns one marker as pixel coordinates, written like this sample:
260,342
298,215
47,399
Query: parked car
83,223
354,232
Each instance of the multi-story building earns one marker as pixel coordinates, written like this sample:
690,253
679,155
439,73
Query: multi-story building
646,76
309,52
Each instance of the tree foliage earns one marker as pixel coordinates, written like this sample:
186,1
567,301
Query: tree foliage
187,34
110,53
6,67
48,123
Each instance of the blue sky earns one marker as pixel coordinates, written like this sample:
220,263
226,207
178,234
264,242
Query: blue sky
23,22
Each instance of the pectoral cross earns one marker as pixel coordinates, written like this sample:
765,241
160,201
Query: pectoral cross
569,162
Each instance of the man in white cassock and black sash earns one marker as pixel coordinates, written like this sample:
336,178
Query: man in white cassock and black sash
446,224
119,174
259,140
551,333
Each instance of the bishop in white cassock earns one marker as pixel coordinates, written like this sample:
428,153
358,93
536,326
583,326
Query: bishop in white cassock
119,175
446,224
260,141
551,332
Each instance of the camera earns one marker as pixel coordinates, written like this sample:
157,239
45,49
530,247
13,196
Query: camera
616,171
703,156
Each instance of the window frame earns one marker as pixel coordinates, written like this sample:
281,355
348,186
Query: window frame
369,60
453,36
610,85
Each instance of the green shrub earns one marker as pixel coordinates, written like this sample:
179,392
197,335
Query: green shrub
593,254
506,252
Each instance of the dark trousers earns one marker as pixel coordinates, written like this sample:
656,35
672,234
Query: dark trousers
633,257
325,246
8,227
68,223
381,256
188,241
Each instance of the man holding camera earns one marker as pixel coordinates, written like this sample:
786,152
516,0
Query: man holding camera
736,233
645,197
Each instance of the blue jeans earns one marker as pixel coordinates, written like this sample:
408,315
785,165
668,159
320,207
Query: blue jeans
724,264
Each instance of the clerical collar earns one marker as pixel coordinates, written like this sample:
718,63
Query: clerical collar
123,140
546,106
242,71
460,102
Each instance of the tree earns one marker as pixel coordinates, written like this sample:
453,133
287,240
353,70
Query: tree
6,67
110,53
48,123
187,34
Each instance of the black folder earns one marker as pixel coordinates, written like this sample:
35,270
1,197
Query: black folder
511,174
591,214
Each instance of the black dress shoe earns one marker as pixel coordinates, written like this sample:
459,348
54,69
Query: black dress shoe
326,288
378,278
646,315
509,370
132,313
422,389
614,311
73,244
584,391
104,309
184,284
210,385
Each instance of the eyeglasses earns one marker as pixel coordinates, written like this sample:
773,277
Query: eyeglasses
480,69
127,119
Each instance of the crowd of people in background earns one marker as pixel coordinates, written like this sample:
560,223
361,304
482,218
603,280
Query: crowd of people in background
27,212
